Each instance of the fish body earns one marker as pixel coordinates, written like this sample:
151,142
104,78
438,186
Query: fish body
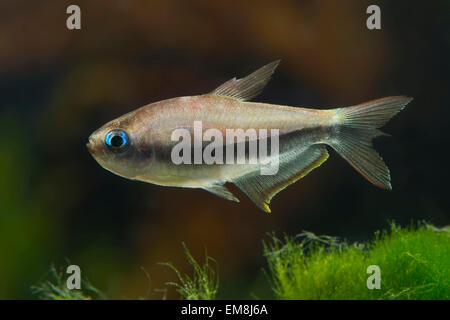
140,145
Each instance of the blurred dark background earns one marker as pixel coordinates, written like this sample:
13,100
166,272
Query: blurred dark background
57,86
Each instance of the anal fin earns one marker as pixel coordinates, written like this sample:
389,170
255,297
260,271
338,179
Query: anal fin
221,191
293,166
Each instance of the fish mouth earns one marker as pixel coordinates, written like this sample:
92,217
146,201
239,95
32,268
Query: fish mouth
90,145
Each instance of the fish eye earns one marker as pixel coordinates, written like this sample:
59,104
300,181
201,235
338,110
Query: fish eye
116,139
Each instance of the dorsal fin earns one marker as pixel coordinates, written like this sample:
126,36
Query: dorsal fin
249,87
293,166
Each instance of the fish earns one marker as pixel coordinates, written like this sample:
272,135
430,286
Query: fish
140,144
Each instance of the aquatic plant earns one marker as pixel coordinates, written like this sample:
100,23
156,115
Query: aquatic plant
203,284
414,264
53,287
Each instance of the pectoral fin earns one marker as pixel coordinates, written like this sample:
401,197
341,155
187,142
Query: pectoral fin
221,191
249,87
294,166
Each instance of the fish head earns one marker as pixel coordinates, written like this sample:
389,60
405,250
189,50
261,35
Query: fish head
121,147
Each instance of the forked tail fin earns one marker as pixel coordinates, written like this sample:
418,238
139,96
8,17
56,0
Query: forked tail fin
354,130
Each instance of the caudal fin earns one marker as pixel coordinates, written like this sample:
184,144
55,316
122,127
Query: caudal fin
353,134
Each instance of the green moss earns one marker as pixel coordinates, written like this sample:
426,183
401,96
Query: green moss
53,287
204,282
414,264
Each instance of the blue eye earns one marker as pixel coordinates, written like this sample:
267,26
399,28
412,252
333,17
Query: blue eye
116,139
